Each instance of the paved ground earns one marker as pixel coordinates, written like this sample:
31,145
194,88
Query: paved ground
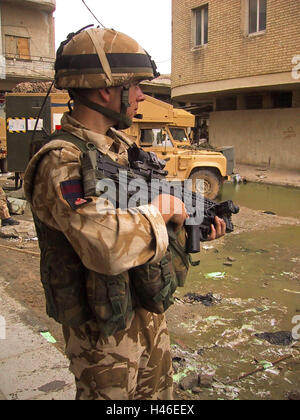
30,367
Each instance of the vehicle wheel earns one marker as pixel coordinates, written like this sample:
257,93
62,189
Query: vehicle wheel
211,183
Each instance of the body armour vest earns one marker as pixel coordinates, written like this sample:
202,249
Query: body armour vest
75,294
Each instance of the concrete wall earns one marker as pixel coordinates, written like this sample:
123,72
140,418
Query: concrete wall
260,137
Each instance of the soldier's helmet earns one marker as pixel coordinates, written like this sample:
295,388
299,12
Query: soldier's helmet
98,58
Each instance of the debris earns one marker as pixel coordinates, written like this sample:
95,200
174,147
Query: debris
269,212
206,300
237,179
279,338
47,335
177,359
53,386
24,230
266,365
178,300
34,87
227,263
215,275
261,176
7,234
196,390
190,381
177,377
194,381
17,206
206,380
293,396
36,254
206,247
291,291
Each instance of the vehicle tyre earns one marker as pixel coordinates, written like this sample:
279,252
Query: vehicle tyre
211,183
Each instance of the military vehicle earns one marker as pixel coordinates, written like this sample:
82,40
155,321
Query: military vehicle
166,130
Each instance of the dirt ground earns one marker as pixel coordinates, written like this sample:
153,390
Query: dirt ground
20,267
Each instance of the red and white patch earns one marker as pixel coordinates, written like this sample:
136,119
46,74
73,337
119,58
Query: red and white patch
80,201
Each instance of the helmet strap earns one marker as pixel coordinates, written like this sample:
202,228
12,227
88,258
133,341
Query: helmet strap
123,121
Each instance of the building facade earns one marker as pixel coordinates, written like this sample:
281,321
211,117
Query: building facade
27,41
236,63
27,50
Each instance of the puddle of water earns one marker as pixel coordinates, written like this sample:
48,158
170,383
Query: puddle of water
284,201
260,293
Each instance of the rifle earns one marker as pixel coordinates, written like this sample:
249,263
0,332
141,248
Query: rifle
144,179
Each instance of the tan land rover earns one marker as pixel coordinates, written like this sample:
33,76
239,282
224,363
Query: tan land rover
165,130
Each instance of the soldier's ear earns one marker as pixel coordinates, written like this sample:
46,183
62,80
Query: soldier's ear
105,94
110,94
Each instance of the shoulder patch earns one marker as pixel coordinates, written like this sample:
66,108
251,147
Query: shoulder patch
72,192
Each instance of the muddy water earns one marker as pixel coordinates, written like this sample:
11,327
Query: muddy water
284,201
259,292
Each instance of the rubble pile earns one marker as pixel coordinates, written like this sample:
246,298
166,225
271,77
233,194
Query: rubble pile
34,87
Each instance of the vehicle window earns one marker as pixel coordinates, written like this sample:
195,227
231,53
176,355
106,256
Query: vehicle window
178,134
155,137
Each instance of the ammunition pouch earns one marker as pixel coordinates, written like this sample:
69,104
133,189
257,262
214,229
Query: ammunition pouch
109,298
155,284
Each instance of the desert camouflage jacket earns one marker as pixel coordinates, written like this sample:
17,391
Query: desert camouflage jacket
106,242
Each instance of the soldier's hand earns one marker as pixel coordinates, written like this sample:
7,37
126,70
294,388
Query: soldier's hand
217,230
172,209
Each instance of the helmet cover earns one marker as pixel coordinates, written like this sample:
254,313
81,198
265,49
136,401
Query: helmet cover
98,58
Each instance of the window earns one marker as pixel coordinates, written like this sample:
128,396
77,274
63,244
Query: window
179,134
17,47
257,15
155,137
201,25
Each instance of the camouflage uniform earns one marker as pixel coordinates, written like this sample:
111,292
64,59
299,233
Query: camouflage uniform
4,212
134,363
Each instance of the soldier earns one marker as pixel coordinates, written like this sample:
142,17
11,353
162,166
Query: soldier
94,261
6,219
